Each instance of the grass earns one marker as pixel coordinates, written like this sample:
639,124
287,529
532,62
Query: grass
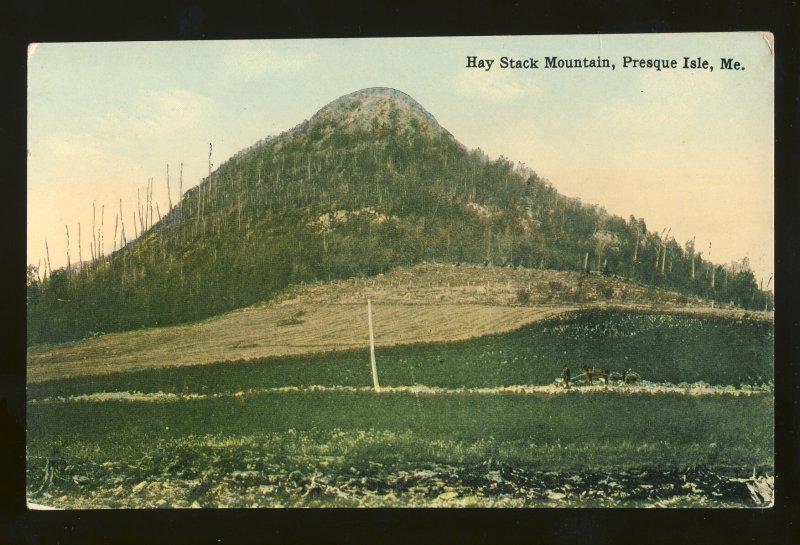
573,432
661,347
306,448
388,449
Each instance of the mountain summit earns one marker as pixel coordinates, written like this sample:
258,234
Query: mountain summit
375,107
370,182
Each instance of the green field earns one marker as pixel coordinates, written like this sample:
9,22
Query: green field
661,347
361,448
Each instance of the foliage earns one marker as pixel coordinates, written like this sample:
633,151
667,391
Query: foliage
342,196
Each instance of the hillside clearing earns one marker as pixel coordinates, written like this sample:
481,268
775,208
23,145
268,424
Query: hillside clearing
427,303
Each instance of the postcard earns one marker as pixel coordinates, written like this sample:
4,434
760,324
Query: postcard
501,271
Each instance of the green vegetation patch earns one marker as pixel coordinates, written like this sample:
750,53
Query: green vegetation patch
304,449
661,347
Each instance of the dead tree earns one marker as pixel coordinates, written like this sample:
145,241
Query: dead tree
713,268
69,262
169,197
101,234
116,226
139,207
47,253
123,241
150,200
93,246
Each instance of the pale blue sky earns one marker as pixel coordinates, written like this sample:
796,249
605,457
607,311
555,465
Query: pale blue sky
690,150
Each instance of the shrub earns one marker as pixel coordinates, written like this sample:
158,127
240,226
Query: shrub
523,296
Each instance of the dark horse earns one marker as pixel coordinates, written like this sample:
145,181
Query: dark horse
631,377
595,372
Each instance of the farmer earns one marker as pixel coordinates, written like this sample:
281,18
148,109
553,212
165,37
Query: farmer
565,376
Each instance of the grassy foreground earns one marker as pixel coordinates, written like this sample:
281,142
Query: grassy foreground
340,448
200,451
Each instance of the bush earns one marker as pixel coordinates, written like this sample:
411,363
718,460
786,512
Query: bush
523,296
605,291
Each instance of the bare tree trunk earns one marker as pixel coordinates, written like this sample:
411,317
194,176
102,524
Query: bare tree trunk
47,253
116,225
69,262
94,247
139,206
102,235
712,265
80,256
169,197
124,241
636,248
180,185
150,201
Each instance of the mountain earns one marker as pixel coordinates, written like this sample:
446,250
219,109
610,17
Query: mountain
368,183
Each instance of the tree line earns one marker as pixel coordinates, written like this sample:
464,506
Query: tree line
317,204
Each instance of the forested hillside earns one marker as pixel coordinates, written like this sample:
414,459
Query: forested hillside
370,182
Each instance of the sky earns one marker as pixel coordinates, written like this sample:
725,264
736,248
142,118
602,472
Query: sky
689,150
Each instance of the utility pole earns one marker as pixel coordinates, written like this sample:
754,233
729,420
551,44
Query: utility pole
372,349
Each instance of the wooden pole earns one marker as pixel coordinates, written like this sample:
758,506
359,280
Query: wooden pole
372,349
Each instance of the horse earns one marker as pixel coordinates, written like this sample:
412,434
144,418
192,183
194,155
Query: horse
615,377
592,372
630,377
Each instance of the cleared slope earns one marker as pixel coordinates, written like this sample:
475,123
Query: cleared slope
427,303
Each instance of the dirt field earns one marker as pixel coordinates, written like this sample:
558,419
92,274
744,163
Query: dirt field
427,303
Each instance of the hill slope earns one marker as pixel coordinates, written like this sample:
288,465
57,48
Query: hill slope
368,183
423,304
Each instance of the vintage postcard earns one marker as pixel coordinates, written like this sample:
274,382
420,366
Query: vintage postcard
510,271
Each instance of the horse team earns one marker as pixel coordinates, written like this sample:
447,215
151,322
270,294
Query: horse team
592,373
